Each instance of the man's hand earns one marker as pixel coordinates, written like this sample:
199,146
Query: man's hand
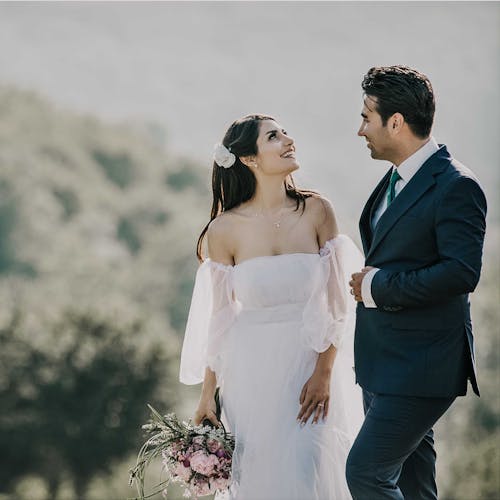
355,283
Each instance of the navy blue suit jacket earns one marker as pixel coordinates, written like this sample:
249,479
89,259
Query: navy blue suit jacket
428,245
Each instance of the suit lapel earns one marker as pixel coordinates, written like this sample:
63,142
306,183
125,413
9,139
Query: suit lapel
419,184
365,221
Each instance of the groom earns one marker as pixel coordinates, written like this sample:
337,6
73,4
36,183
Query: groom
422,231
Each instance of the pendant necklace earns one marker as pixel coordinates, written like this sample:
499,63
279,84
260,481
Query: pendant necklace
277,223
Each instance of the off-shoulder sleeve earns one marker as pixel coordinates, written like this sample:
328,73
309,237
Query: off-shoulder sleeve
211,314
329,314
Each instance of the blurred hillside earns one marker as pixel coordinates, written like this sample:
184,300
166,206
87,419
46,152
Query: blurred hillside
98,225
94,215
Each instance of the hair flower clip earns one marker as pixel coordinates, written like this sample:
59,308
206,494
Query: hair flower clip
223,156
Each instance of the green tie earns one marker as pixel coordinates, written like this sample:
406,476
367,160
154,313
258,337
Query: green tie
391,194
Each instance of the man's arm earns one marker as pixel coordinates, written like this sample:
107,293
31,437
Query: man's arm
460,228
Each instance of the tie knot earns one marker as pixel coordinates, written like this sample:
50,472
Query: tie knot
395,176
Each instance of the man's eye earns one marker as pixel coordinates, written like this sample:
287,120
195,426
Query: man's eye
285,132
272,135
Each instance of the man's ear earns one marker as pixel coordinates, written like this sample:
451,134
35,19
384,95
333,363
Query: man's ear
395,123
248,161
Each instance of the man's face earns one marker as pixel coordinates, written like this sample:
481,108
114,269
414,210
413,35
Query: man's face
376,134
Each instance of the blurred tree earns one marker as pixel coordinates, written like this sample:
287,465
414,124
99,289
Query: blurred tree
128,234
117,167
8,218
7,222
74,405
186,175
69,202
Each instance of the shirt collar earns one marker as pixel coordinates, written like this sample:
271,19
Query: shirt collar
411,165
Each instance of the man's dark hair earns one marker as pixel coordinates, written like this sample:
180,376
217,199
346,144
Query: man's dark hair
400,89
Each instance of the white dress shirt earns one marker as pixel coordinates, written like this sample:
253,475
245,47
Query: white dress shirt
406,170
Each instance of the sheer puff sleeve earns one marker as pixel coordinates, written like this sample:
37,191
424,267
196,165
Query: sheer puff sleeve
211,314
329,314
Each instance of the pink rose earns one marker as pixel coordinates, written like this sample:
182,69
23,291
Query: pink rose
183,472
213,445
198,443
203,463
219,483
201,488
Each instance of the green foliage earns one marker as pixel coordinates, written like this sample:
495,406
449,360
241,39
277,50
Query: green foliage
160,217
117,167
186,176
9,264
74,404
127,232
7,223
69,202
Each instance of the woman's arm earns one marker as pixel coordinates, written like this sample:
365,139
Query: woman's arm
206,406
317,389
218,251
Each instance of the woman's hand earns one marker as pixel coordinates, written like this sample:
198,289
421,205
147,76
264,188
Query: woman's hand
315,397
207,407
206,410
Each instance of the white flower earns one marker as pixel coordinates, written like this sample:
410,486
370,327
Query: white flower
223,157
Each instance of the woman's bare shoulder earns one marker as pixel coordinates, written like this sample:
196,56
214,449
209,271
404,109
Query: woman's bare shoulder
320,206
220,238
323,215
221,224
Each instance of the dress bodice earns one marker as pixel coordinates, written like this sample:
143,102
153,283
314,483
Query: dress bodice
271,281
309,289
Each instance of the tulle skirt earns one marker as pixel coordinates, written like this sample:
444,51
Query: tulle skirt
266,363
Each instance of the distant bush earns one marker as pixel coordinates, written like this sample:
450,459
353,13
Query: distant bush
118,168
69,202
127,233
7,224
182,283
57,155
9,264
186,175
160,217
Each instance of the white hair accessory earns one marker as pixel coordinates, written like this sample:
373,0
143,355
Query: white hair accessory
223,156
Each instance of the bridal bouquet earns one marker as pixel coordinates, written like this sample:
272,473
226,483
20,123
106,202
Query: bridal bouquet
198,457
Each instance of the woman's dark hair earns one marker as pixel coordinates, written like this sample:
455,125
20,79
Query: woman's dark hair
400,89
235,185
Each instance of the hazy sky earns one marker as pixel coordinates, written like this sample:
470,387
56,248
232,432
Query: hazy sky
195,67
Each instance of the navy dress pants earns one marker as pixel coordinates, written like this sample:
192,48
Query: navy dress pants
393,455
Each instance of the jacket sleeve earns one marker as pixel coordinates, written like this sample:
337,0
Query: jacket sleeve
460,226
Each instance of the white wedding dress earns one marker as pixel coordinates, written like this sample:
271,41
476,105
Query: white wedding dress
260,326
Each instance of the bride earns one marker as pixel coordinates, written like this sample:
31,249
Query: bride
271,322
